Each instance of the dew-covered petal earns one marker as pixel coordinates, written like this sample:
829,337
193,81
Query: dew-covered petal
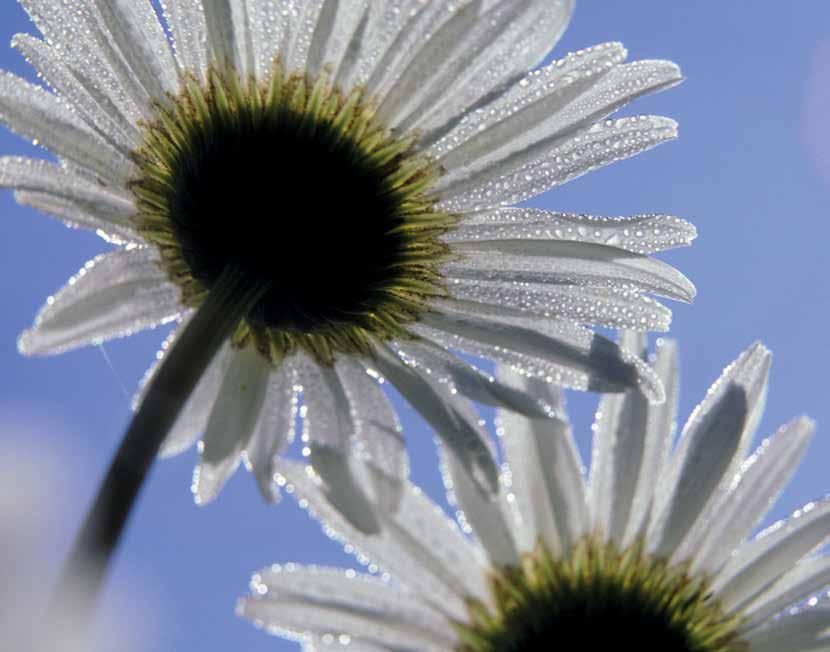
71,28
134,28
193,417
484,516
744,499
759,563
328,428
802,631
712,444
610,307
221,31
559,262
425,550
55,183
301,616
304,24
378,436
548,164
269,28
96,111
562,112
232,421
275,428
559,343
498,34
620,429
75,217
115,294
438,52
458,375
545,471
186,21
345,591
806,579
640,234
336,25
528,38
447,413
35,113
658,439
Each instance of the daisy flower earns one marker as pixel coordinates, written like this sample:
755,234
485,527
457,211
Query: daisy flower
651,550
315,189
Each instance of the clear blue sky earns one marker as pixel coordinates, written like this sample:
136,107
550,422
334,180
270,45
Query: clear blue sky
751,169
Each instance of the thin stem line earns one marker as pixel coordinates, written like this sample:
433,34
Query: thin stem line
231,298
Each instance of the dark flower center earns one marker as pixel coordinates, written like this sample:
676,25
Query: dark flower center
292,182
599,599
295,205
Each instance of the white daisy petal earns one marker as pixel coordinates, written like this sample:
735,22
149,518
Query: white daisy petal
51,180
34,113
274,430
221,30
548,164
193,418
348,591
558,343
113,295
186,20
759,563
457,374
97,112
640,234
614,308
377,432
658,440
345,489
464,438
520,47
75,215
336,25
545,469
135,29
423,548
587,96
66,27
807,578
747,497
432,58
268,23
560,261
231,423
328,428
304,25
293,616
713,443
495,28
486,516
620,429
796,632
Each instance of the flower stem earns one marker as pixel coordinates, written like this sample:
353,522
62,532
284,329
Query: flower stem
231,298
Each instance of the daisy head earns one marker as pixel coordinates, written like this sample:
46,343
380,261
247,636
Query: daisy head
358,162
652,549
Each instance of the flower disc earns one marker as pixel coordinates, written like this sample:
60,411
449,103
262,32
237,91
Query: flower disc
293,182
599,598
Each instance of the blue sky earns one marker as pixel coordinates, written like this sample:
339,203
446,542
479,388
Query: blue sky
751,169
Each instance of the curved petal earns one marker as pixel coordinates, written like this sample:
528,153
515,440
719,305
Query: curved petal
113,295
544,469
448,414
232,421
640,234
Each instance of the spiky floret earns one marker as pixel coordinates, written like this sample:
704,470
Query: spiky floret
599,598
293,180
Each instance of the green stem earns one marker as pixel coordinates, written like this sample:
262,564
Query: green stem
231,298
